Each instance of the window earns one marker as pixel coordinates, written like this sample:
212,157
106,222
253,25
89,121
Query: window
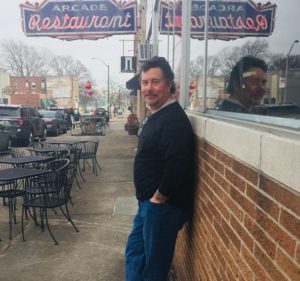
253,91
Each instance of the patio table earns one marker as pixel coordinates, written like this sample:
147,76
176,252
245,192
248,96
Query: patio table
25,160
47,150
13,188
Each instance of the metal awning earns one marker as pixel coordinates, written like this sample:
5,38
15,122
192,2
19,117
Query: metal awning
133,83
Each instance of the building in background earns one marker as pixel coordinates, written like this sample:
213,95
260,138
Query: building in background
28,90
4,86
63,90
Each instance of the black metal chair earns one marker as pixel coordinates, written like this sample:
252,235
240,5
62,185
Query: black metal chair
74,157
50,192
89,152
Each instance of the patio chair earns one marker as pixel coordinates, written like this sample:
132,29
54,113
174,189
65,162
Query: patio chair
76,127
74,157
89,152
54,193
9,193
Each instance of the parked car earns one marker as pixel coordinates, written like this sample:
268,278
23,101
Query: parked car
25,123
5,140
55,121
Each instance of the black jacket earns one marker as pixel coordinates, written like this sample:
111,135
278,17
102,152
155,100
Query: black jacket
165,158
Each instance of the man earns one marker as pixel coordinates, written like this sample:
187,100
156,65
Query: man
163,176
247,85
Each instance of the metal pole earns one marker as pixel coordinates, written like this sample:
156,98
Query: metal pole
108,94
205,54
185,53
286,69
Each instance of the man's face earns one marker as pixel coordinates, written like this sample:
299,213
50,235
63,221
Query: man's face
155,88
255,82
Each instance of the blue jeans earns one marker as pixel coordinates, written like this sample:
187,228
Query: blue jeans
151,243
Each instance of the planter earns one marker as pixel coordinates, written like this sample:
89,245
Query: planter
132,125
132,129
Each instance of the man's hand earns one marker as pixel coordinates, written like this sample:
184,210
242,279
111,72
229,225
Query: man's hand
158,198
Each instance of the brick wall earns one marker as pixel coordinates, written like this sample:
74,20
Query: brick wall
246,226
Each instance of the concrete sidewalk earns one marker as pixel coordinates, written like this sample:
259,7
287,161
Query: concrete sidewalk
103,211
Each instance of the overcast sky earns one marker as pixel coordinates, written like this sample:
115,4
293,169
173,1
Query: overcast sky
111,49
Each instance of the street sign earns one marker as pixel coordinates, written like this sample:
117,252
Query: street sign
9,91
128,64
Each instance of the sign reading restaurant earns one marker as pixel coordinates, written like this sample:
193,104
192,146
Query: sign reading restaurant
226,19
79,19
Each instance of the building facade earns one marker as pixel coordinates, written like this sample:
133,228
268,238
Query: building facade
246,205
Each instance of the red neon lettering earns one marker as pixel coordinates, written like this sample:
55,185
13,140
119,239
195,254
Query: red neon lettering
34,22
262,22
67,22
250,24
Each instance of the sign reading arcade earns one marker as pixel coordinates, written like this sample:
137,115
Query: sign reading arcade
227,19
73,19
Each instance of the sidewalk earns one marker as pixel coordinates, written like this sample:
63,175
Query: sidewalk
103,211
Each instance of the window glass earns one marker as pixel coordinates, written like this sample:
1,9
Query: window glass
33,112
253,58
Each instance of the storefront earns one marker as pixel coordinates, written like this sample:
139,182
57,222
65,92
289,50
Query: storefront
248,192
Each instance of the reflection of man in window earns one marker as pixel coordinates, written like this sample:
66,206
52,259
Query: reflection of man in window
247,85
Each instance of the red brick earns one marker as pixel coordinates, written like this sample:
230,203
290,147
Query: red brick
279,235
298,254
263,202
207,168
215,212
242,266
222,182
261,237
231,235
230,274
244,236
221,207
229,260
224,158
246,172
235,180
219,167
268,265
204,155
209,148
223,276
219,256
233,207
290,222
289,199
242,200
287,265
260,274
221,234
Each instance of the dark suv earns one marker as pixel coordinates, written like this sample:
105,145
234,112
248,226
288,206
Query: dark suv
26,123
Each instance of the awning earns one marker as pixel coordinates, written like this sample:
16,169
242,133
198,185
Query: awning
133,83
47,102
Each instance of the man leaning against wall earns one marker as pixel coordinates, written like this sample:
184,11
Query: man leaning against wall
163,176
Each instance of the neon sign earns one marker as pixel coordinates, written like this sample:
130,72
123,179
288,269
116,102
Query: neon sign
227,19
74,19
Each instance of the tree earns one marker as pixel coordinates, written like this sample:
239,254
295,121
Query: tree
22,60
224,61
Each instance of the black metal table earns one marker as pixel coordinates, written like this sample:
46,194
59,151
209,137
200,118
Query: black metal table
25,160
68,142
13,188
52,151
